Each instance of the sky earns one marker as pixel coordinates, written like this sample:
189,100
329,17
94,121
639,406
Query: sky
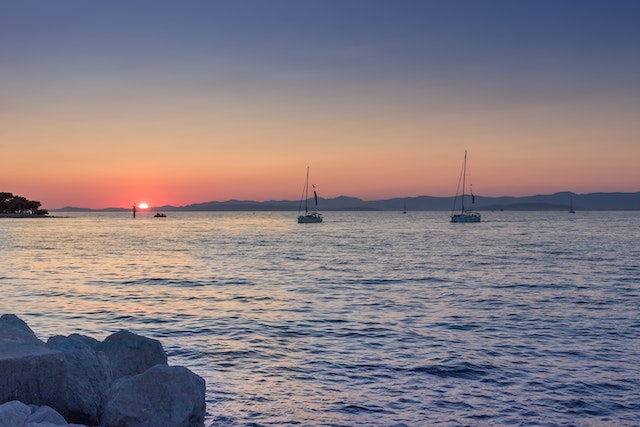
106,103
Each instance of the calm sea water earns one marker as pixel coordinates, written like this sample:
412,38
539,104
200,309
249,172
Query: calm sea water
368,319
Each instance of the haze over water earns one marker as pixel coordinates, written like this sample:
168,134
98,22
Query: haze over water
375,319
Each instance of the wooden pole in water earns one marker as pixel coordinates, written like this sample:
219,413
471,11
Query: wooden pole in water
134,211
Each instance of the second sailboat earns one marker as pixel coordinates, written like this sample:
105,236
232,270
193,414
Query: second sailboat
308,217
464,215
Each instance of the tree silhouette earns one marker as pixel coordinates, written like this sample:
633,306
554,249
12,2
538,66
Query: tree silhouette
19,205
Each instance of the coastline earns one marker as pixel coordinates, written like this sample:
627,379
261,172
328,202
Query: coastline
16,215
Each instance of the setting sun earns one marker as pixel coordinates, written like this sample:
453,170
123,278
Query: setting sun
143,205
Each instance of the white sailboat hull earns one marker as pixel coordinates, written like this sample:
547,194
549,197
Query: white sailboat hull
309,218
466,217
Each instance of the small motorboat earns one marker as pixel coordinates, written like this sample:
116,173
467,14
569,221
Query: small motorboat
159,215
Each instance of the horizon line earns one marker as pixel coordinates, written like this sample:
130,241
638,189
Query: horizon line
345,196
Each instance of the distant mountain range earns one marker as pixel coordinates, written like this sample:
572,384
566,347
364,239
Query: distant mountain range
557,201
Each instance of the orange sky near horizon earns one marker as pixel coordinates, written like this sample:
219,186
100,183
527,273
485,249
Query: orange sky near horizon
181,111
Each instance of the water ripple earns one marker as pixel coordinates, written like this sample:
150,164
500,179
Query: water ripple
371,319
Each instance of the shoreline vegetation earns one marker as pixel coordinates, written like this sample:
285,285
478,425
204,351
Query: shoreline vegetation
14,206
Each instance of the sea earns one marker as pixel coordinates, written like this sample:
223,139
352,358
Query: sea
367,319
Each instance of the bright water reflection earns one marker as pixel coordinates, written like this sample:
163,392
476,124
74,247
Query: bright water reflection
366,319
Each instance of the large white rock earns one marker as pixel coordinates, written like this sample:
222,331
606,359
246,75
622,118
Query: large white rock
29,371
46,414
17,414
131,354
73,376
14,330
14,414
167,396
87,378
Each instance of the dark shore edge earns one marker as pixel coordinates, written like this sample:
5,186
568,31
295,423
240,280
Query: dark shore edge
15,215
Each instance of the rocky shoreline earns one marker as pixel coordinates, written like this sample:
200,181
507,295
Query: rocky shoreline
75,380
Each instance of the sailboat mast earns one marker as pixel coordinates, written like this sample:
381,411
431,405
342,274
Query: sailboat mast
464,177
306,192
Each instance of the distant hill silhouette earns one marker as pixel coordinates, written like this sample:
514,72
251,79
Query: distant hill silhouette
557,201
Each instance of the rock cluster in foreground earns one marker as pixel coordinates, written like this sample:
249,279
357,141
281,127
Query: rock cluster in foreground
123,381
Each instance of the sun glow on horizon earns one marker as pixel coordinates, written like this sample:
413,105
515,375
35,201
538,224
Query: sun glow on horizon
143,205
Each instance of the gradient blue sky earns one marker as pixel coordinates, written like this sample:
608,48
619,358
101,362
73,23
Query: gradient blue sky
113,102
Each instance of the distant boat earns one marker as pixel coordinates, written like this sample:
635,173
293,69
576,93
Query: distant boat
159,215
308,217
404,207
464,215
571,205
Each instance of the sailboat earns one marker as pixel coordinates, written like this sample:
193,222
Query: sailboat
571,205
464,215
308,217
